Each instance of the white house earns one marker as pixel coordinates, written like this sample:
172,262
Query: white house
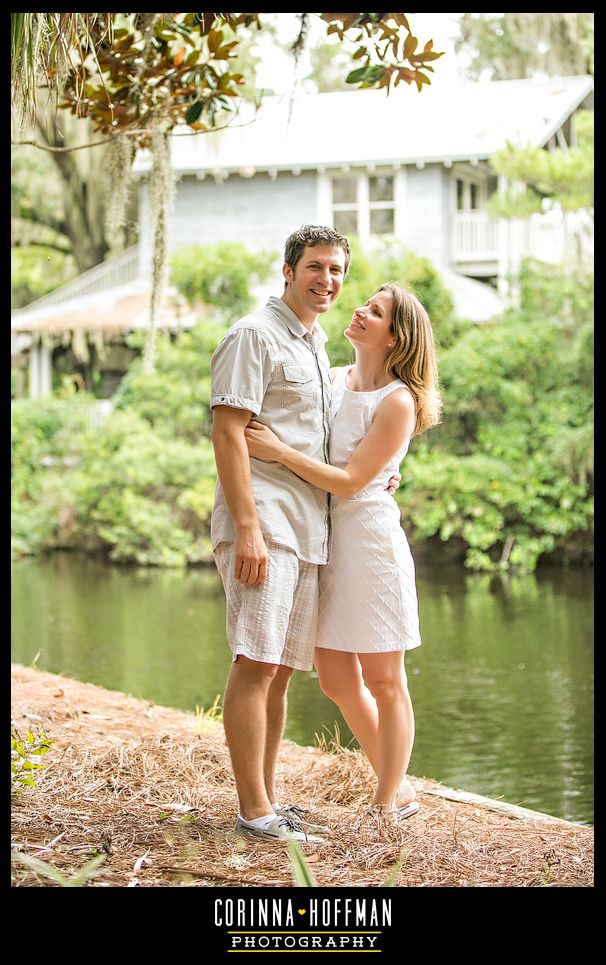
412,166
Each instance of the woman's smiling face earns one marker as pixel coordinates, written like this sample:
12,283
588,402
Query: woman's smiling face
370,325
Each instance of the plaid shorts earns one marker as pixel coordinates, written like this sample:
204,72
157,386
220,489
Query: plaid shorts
274,622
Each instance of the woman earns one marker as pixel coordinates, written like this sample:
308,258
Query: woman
368,614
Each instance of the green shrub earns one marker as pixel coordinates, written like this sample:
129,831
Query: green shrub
46,437
135,489
220,276
177,395
508,476
22,751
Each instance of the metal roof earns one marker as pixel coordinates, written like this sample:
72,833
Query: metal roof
115,310
462,121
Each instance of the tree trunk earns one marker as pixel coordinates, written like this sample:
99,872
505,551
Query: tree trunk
82,183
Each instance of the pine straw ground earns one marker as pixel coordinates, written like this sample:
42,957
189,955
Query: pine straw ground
141,781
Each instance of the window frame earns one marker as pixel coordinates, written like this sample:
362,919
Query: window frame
363,206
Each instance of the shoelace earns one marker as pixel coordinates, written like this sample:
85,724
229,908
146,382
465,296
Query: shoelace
297,811
290,825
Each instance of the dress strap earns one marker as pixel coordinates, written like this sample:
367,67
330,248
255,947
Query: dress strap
392,387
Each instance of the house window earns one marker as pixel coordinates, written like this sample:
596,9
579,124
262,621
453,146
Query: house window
345,205
364,204
460,195
381,204
469,195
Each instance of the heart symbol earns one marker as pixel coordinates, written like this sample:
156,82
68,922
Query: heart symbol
301,911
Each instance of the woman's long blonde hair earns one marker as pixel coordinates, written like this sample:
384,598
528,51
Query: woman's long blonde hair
413,357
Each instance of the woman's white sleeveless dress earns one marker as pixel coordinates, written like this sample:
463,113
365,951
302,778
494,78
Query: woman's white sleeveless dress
368,596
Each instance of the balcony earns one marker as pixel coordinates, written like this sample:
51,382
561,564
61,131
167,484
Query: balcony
476,237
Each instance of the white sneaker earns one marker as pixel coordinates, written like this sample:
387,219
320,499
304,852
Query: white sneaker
297,815
280,828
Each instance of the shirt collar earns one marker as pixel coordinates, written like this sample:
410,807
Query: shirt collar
295,325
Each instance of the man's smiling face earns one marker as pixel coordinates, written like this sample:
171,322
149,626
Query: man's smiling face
316,281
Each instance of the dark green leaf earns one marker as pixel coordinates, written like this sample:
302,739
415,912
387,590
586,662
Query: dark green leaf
193,113
369,75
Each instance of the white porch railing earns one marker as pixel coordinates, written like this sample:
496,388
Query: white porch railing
109,274
476,236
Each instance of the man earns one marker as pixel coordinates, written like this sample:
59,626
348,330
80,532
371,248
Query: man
271,530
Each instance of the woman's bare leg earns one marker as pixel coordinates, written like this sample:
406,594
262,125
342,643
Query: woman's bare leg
341,679
340,676
385,677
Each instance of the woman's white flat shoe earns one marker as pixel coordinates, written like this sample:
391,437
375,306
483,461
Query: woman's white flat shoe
407,811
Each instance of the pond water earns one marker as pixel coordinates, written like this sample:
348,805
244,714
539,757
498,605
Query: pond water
502,686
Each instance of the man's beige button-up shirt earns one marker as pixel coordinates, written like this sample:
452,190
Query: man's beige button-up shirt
269,364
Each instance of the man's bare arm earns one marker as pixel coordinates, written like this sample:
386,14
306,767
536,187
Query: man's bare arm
233,467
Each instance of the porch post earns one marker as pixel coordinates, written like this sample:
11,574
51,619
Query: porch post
40,373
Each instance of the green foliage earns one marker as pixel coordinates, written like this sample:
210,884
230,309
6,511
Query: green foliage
135,488
301,872
138,492
45,437
40,259
206,716
220,276
393,877
79,880
508,477
515,45
176,396
563,176
22,751
388,261
98,56
37,270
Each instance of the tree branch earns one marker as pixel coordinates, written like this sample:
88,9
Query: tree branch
46,244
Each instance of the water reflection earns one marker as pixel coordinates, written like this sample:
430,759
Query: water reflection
502,686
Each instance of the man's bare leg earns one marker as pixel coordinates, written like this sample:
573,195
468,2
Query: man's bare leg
276,719
245,715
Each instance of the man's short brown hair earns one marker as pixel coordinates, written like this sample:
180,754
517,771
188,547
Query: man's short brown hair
310,235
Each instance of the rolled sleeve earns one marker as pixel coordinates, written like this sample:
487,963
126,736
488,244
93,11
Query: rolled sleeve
240,370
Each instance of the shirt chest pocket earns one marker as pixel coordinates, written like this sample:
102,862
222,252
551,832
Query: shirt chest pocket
299,386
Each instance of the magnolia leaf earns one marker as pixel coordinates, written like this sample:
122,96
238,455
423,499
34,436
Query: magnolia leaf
214,40
410,45
222,53
431,55
421,79
193,112
347,19
400,18
368,75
